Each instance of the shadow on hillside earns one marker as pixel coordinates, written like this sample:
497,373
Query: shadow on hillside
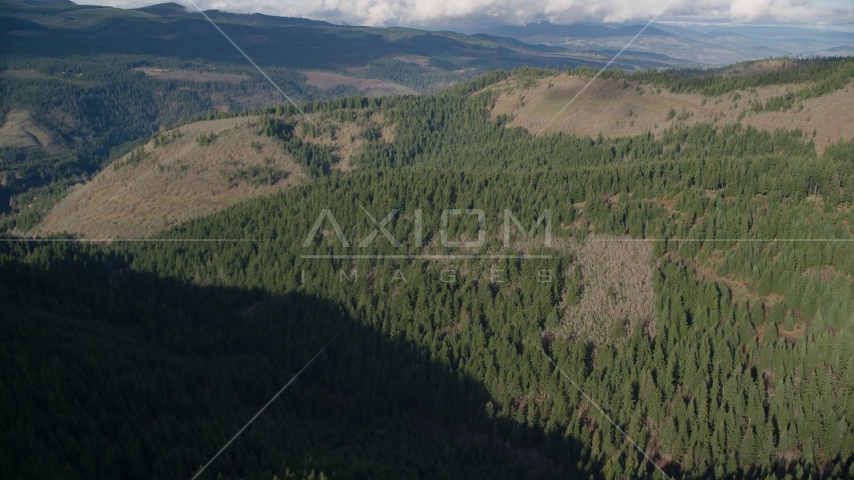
111,373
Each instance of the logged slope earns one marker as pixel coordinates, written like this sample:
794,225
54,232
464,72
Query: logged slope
204,167
617,107
169,184
698,287
99,79
18,130
366,86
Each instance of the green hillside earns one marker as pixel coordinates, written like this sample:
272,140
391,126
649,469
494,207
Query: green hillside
100,80
697,287
170,30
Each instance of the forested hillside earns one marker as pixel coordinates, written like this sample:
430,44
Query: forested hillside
696,285
96,109
170,30
93,82
202,167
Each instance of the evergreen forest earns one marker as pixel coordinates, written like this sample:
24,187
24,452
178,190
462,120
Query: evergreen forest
487,303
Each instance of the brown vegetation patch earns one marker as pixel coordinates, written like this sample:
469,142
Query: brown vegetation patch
759,67
18,130
830,116
741,291
797,332
616,286
174,183
388,133
166,74
345,139
371,87
24,74
615,108
422,61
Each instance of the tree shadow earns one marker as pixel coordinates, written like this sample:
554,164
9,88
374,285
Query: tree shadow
114,373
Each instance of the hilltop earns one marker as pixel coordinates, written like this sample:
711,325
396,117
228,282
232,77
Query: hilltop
97,80
155,188
170,30
704,44
620,107
200,168
696,283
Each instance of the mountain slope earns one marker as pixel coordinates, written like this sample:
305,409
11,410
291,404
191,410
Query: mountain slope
183,180
203,167
695,286
168,30
576,31
155,187
167,361
710,45
841,51
98,80
616,108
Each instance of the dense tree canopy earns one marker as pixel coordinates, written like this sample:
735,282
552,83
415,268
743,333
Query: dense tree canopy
148,356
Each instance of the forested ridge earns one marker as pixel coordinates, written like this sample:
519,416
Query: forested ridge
98,108
69,66
149,356
171,30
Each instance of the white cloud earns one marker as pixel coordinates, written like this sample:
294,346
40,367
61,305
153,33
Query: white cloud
461,12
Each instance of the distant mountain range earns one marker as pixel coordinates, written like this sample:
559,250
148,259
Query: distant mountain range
707,45
34,25
578,30
846,50
61,28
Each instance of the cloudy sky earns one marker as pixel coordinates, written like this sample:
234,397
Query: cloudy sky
445,13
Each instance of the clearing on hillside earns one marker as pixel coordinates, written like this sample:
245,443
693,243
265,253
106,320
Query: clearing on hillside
615,107
195,170
613,280
18,130
167,74
371,87
143,193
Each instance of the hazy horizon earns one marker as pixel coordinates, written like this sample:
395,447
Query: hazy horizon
483,14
